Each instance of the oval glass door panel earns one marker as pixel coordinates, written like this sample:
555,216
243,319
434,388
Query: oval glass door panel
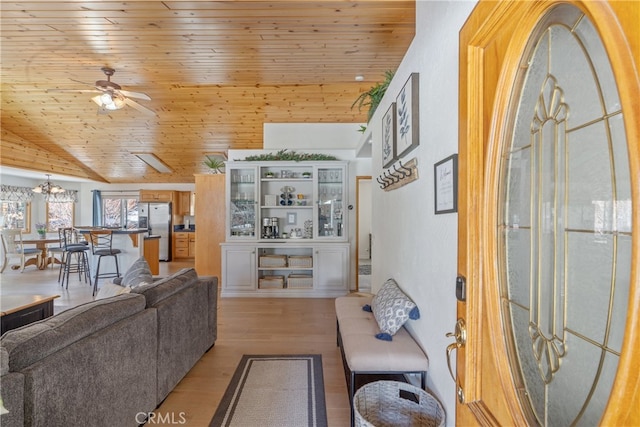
565,223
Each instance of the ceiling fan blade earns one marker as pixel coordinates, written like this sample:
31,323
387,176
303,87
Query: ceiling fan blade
80,81
137,95
73,90
98,100
138,107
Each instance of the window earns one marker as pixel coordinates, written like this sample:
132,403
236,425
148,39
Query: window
15,215
59,215
119,211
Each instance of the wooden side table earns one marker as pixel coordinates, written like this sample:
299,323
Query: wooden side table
20,310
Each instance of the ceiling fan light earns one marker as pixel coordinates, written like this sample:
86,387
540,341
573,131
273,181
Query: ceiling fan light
106,99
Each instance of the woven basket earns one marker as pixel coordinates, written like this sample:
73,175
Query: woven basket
273,261
300,281
391,404
271,282
300,261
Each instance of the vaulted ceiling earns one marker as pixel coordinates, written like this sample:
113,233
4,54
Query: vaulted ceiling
215,71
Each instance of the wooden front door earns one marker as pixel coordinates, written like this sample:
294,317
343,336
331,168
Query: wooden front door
549,211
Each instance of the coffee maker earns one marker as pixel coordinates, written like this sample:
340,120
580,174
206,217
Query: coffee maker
270,228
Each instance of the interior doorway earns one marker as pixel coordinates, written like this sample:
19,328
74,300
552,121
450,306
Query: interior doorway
363,233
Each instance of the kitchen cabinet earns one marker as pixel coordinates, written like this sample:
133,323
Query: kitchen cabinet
184,203
210,219
183,244
157,196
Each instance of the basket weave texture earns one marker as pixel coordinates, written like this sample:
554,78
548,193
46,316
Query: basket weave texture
300,261
380,404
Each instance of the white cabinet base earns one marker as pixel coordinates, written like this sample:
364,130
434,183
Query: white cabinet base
285,270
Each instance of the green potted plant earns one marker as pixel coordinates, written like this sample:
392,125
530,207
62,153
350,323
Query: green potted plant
215,164
373,96
41,229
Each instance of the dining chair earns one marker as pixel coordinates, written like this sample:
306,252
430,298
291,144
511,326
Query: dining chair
75,259
101,242
12,248
52,251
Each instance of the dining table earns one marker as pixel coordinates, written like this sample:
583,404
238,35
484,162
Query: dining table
41,243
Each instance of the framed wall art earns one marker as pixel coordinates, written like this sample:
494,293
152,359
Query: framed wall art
445,178
389,136
407,117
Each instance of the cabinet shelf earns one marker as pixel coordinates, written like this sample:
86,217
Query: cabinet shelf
286,207
286,179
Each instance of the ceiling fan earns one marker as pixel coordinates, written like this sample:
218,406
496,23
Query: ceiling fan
112,97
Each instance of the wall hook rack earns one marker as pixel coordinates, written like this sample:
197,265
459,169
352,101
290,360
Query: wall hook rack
401,175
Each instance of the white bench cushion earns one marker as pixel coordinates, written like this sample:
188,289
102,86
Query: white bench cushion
364,352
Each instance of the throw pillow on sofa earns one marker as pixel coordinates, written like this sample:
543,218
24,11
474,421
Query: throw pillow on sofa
138,274
391,309
108,290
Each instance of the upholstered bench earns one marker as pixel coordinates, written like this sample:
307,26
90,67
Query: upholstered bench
364,354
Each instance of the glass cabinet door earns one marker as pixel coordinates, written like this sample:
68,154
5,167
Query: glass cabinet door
331,187
242,203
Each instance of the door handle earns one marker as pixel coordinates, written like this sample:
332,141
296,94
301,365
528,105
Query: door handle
460,335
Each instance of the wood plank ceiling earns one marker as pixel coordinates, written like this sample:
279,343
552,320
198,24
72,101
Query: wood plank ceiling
215,71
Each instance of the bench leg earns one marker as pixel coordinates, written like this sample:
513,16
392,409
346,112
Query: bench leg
352,392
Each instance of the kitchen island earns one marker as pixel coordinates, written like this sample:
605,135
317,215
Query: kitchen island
130,241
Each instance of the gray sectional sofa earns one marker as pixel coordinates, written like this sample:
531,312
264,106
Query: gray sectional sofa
111,361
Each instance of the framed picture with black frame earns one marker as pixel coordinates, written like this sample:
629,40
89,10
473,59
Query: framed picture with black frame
389,136
445,181
407,116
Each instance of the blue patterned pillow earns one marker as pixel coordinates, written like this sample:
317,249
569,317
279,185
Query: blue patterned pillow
138,274
392,308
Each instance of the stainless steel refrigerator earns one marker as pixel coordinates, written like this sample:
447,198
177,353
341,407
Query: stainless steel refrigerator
158,217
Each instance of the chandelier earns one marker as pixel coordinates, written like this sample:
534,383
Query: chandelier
48,188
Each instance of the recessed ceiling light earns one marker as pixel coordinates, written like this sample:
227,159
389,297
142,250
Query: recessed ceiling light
153,161
359,78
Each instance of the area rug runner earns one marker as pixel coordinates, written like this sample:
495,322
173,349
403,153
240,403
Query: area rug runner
274,391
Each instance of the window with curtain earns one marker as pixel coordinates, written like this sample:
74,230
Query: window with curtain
120,209
59,215
15,215
15,207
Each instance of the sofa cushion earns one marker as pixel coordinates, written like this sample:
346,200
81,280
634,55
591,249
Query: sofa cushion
392,308
34,342
164,288
138,274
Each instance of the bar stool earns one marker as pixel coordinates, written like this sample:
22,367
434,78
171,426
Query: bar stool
101,246
74,258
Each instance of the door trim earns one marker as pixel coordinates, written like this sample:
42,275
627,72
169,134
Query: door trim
358,179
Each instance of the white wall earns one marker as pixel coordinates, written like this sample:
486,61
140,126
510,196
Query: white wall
301,136
410,243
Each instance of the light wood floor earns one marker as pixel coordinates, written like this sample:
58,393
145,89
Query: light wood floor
245,326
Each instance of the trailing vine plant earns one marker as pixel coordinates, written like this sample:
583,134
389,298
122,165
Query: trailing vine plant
289,155
373,96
